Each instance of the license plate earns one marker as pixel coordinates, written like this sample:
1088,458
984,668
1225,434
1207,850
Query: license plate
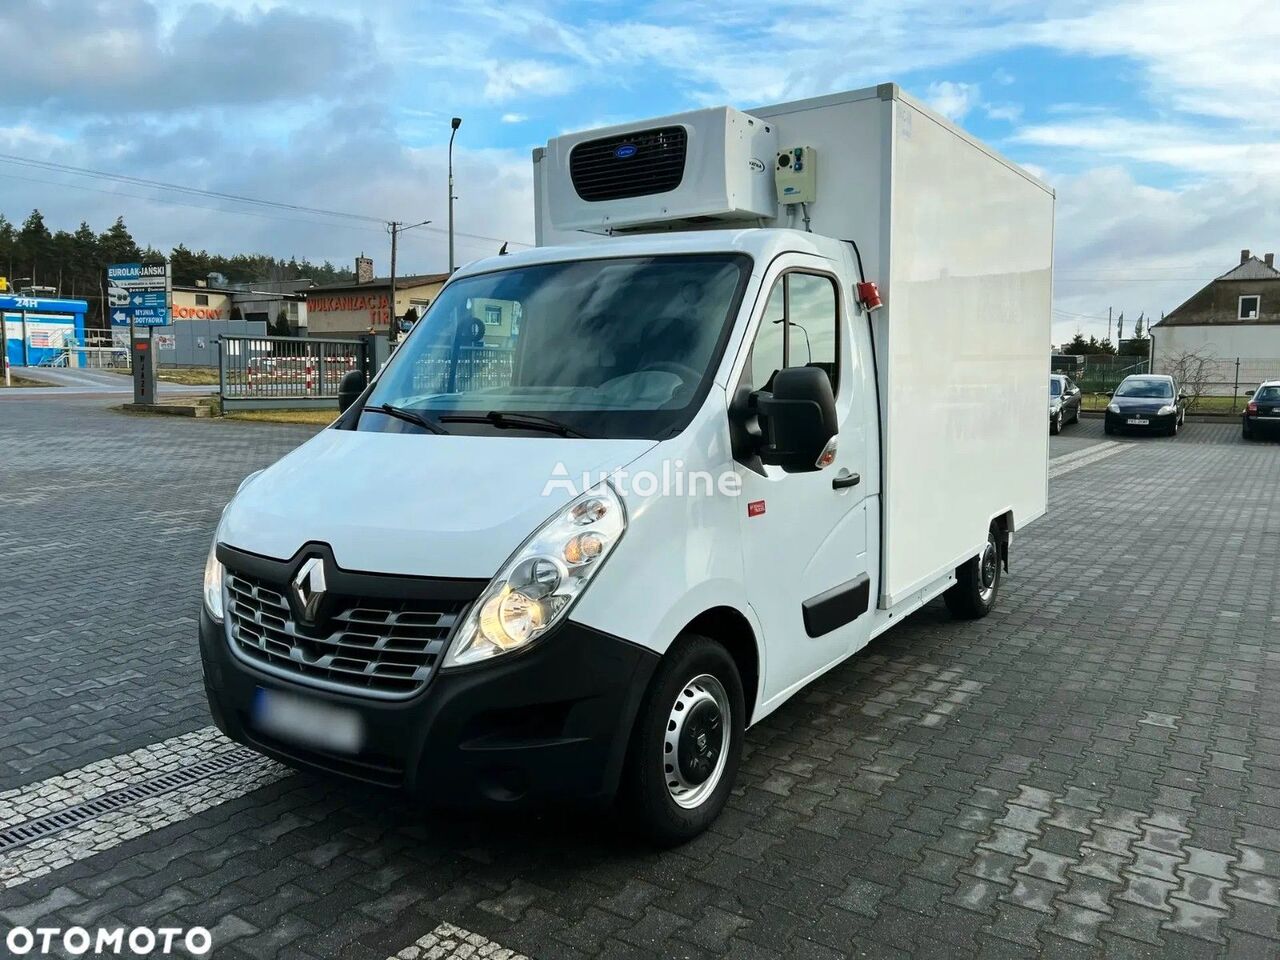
307,722
1134,422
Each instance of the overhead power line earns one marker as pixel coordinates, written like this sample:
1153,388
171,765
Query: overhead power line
178,188
277,205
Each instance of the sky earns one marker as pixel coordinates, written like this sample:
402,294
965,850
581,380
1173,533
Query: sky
1156,121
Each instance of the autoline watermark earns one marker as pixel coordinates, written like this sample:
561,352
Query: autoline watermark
113,941
673,479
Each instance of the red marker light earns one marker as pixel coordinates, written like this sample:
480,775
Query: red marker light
869,295
755,508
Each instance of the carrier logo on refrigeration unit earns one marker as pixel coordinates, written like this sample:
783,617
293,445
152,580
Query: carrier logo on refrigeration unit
629,165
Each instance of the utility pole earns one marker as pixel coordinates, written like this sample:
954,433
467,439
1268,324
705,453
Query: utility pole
392,331
1108,323
396,228
454,124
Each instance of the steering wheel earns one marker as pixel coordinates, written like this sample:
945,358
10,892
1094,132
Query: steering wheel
687,374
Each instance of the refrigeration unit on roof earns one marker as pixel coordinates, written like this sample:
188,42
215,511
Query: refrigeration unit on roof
706,165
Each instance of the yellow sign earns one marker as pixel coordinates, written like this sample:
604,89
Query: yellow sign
4,284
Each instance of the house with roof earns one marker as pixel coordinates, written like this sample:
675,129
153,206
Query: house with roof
1234,317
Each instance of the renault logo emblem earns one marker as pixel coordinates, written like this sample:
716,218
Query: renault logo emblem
309,587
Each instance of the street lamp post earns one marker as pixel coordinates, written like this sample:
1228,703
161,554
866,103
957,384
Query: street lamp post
454,124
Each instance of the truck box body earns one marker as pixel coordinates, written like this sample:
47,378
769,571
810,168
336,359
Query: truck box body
960,242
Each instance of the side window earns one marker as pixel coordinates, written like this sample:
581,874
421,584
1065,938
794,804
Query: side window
769,352
799,328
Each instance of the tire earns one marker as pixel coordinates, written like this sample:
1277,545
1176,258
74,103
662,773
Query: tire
1173,431
1108,429
977,583
1055,425
1246,432
1075,416
670,802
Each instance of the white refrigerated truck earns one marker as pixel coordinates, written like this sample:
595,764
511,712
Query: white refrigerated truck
770,382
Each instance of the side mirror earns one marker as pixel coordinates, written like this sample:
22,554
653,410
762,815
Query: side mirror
798,418
350,388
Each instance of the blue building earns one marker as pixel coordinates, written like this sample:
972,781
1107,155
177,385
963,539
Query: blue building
39,329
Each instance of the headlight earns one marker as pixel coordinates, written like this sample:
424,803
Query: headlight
1113,408
1167,409
539,583
213,575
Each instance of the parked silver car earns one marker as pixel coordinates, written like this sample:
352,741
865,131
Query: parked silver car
1064,402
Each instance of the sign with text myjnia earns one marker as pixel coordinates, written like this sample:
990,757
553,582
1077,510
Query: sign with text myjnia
138,292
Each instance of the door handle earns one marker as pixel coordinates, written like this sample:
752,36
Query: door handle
849,480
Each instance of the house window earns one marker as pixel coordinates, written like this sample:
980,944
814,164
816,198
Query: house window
202,299
1250,307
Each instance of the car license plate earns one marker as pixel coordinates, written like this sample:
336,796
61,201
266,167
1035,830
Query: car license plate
1135,422
307,722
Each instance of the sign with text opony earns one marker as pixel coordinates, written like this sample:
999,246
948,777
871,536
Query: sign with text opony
138,293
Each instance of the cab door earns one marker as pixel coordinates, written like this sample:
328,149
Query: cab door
804,534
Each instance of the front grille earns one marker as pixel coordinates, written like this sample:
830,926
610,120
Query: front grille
629,165
374,646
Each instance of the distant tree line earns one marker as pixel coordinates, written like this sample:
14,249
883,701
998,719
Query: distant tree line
74,262
1092,346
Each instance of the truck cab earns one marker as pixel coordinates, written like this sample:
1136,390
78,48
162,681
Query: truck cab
647,486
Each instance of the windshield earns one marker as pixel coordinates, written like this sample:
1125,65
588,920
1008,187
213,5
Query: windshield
1055,387
1155,389
617,348
1268,394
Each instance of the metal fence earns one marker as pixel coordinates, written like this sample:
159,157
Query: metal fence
285,372
1102,374
1219,376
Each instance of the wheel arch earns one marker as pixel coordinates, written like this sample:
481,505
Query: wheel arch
729,627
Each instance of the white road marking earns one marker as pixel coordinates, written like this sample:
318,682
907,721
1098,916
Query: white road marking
115,773
447,942
1083,458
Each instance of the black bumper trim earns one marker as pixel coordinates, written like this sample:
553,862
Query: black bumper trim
552,724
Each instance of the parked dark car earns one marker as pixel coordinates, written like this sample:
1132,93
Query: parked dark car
1149,403
1261,416
1064,402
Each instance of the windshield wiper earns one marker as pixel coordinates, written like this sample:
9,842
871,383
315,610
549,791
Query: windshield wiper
411,416
519,421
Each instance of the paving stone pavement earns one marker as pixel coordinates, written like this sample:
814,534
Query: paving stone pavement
1093,770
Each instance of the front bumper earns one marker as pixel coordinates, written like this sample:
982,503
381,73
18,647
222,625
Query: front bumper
549,724
1155,424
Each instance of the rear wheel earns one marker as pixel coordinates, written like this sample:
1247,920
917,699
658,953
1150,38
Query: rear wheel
687,742
1246,431
977,583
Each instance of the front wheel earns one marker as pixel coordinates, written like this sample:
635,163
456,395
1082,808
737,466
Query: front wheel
977,583
1055,425
687,743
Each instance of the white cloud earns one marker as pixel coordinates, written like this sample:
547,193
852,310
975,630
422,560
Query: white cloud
514,118
1182,146
1215,59
953,100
